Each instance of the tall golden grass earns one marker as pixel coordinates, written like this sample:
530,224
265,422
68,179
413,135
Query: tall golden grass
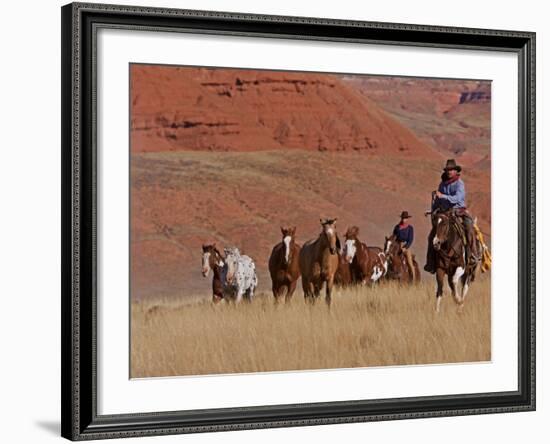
385,325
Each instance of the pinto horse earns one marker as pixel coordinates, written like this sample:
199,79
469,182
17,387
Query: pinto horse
283,265
450,258
368,264
212,259
319,262
397,262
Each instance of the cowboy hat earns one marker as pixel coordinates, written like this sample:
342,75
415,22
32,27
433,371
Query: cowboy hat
405,215
451,165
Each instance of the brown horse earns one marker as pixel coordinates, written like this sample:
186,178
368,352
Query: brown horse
319,262
213,260
343,277
368,264
450,257
283,265
397,262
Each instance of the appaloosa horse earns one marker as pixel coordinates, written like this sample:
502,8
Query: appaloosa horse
319,262
450,257
212,260
239,276
397,262
284,266
368,264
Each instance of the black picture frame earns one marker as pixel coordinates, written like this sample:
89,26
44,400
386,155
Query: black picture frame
80,420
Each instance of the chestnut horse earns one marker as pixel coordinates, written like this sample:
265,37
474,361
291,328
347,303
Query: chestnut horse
450,257
283,265
368,264
212,259
397,262
343,277
319,262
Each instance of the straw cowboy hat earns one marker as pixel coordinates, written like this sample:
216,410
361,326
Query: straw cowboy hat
451,165
405,215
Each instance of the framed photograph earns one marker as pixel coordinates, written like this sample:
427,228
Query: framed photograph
276,221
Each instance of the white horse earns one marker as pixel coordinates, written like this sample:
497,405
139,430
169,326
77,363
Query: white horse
240,275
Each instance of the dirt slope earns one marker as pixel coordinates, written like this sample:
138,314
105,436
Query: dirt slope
229,156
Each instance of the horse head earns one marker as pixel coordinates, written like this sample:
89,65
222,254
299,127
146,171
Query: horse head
329,231
392,249
232,256
211,258
350,245
288,240
441,223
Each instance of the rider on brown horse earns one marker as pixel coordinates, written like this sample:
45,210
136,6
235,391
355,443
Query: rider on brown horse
404,234
451,195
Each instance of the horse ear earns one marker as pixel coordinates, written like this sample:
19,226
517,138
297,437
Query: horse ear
321,221
282,230
386,237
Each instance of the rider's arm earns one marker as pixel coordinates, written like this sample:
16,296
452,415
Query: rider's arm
435,201
457,196
396,231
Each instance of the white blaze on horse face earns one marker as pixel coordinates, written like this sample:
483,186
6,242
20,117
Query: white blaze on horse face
388,246
350,250
205,264
287,240
436,239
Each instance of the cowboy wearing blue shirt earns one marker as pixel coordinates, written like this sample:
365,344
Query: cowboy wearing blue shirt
404,233
451,194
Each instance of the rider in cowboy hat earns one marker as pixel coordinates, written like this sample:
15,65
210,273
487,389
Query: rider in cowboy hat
451,194
404,233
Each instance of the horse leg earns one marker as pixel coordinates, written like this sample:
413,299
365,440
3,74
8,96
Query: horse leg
239,297
276,288
452,287
328,290
459,272
308,288
290,291
466,279
250,292
216,298
439,276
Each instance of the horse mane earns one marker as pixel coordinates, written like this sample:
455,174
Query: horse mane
217,252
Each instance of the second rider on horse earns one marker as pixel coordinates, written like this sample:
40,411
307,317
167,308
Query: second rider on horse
451,195
404,233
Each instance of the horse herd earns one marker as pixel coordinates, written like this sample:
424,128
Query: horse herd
323,261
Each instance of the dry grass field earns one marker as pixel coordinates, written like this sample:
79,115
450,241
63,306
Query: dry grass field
388,325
